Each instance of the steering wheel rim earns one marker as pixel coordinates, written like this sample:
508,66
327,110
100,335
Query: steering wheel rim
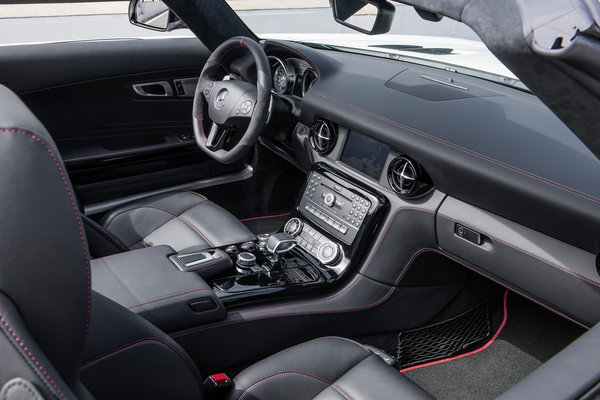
222,103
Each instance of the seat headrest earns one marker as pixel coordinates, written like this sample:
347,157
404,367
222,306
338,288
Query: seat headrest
44,267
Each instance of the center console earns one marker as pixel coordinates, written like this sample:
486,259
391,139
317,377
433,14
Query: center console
319,244
334,216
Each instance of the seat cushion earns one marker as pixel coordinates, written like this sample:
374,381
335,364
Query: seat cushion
324,369
179,219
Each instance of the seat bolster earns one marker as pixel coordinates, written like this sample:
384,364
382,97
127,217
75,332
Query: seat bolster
373,379
326,368
309,367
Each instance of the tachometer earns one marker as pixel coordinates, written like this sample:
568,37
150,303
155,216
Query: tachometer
280,79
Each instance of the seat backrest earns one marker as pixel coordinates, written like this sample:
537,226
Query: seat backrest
45,300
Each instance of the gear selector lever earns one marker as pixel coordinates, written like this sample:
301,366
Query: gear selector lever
280,243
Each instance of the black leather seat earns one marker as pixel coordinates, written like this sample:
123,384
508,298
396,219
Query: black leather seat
60,340
179,219
324,368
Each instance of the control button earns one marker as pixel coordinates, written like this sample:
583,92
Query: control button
293,226
246,107
328,253
367,203
337,225
353,197
337,188
339,204
344,229
330,221
353,205
329,199
248,246
231,250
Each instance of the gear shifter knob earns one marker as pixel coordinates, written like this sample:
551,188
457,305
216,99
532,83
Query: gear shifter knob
280,243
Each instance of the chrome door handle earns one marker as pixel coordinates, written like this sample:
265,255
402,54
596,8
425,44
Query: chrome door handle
153,89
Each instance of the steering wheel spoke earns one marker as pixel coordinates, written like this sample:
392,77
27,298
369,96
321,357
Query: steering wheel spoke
216,138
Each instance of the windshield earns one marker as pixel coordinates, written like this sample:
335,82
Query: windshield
445,44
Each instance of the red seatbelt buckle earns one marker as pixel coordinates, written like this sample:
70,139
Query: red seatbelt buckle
216,386
219,380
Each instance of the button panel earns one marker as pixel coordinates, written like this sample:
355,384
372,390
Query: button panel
337,207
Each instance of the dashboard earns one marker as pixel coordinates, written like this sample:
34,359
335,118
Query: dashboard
519,194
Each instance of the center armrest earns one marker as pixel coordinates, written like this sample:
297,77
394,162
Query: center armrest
146,282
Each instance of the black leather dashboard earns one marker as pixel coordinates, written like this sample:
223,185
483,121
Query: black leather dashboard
497,148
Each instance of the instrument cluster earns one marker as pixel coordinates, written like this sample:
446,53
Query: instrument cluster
291,76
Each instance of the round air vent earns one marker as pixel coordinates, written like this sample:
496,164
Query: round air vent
406,177
323,136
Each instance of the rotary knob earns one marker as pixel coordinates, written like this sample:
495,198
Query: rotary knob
293,226
328,253
329,199
245,261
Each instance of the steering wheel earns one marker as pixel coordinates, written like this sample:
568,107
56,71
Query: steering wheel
222,105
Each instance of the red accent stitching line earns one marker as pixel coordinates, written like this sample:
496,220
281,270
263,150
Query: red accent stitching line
308,375
485,346
163,210
248,316
32,357
489,159
265,216
561,267
168,297
77,218
369,352
136,343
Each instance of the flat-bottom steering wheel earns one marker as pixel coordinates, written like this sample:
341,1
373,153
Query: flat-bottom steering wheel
221,105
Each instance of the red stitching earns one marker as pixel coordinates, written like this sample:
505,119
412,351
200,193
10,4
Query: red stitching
310,341
32,357
489,159
561,267
266,216
308,375
136,343
77,218
127,252
246,318
168,297
166,211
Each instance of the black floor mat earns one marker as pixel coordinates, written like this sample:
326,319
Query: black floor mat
530,337
443,339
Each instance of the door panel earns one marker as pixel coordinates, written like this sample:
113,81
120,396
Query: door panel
116,141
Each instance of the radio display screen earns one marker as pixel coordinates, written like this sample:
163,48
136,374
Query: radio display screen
365,154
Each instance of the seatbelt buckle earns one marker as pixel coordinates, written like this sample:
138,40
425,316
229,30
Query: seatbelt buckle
217,385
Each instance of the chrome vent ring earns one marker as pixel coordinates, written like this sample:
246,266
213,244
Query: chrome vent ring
404,176
323,136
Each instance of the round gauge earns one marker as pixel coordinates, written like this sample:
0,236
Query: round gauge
308,80
280,79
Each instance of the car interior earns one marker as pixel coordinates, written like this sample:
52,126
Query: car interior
230,217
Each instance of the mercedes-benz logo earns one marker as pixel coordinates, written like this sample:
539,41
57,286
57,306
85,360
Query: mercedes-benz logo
221,98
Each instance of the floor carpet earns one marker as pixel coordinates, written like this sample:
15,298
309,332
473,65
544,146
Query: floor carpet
530,336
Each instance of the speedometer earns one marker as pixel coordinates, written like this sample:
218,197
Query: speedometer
280,79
